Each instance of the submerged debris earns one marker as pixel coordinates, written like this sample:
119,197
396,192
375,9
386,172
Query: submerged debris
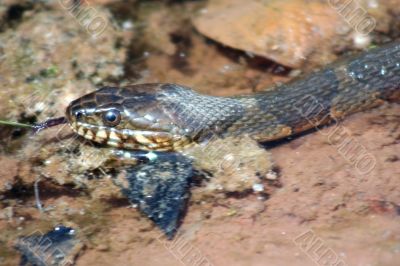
56,247
160,189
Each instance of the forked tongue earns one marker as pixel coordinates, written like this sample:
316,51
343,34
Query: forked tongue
39,126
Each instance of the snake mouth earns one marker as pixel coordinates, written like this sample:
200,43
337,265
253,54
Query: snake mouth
130,138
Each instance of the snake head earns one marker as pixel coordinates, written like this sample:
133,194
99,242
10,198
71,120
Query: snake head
133,117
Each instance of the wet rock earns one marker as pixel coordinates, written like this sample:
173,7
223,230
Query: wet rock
50,58
38,61
292,32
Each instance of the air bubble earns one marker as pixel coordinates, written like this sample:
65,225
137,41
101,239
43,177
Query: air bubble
356,76
360,76
258,187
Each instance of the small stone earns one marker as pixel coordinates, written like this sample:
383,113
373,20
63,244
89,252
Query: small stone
7,213
271,175
361,41
127,25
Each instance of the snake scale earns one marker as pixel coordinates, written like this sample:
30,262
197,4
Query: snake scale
166,119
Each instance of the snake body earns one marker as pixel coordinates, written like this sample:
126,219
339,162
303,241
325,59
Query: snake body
171,117
167,117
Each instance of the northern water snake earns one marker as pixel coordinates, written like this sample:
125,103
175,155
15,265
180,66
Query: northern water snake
166,117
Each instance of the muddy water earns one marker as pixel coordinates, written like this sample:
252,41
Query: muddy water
50,56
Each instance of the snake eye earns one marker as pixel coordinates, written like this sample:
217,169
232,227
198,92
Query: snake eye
79,115
112,117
